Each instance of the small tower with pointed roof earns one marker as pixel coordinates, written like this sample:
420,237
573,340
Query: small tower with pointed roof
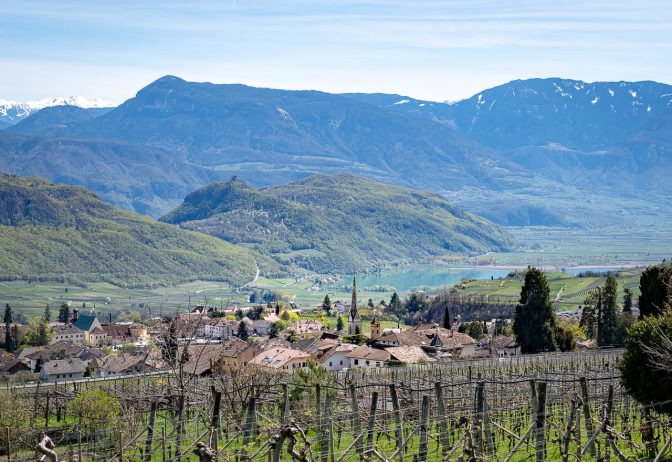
354,318
375,326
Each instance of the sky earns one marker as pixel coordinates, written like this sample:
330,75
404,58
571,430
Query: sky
436,50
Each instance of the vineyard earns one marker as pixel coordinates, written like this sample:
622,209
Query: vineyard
565,407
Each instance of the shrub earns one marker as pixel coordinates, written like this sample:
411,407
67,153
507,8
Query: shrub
646,367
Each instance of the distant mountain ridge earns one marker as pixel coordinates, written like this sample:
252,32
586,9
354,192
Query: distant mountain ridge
55,120
610,138
337,223
565,112
63,233
290,134
12,112
145,179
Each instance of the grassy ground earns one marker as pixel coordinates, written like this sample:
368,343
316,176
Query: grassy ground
567,291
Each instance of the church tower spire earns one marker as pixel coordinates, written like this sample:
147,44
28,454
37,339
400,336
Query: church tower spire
355,319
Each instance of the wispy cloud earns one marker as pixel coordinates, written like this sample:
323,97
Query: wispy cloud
431,49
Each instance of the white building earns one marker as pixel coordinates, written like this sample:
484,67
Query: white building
219,328
336,358
62,369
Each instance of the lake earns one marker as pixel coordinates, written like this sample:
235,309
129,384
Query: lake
430,276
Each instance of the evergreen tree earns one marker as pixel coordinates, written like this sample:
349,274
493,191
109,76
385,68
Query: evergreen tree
370,304
534,322
326,305
416,303
64,313
47,313
8,319
340,325
592,305
38,333
644,373
395,305
446,318
243,333
627,300
655,285
609,323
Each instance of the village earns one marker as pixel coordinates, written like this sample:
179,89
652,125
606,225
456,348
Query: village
281,339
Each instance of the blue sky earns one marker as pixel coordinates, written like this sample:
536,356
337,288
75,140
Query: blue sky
439,50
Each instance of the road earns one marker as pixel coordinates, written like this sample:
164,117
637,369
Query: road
256,276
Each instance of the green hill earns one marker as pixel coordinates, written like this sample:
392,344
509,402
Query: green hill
339,223
62,233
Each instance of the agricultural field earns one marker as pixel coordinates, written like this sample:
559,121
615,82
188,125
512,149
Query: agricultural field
545,407
557,248
568,291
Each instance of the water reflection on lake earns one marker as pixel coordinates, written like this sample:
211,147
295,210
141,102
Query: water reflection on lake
410,278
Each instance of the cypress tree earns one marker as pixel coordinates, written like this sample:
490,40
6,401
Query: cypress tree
8,319
627,300
243,333
534,321
609,321
446,318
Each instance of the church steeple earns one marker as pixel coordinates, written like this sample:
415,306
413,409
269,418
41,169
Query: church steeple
353,306
354,320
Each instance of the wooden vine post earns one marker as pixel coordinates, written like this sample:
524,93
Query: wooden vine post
443,418
398,421
248,431
586,412
424,424
372,423
356,422
541,422
150,432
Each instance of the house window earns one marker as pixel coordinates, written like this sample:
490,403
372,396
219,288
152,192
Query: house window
356,362
341,362
377,363
330,365
367,362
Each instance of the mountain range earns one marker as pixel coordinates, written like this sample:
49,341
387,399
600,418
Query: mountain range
337,223
552,152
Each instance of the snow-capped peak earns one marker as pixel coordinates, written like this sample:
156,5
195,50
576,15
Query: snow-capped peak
12,111
78,101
